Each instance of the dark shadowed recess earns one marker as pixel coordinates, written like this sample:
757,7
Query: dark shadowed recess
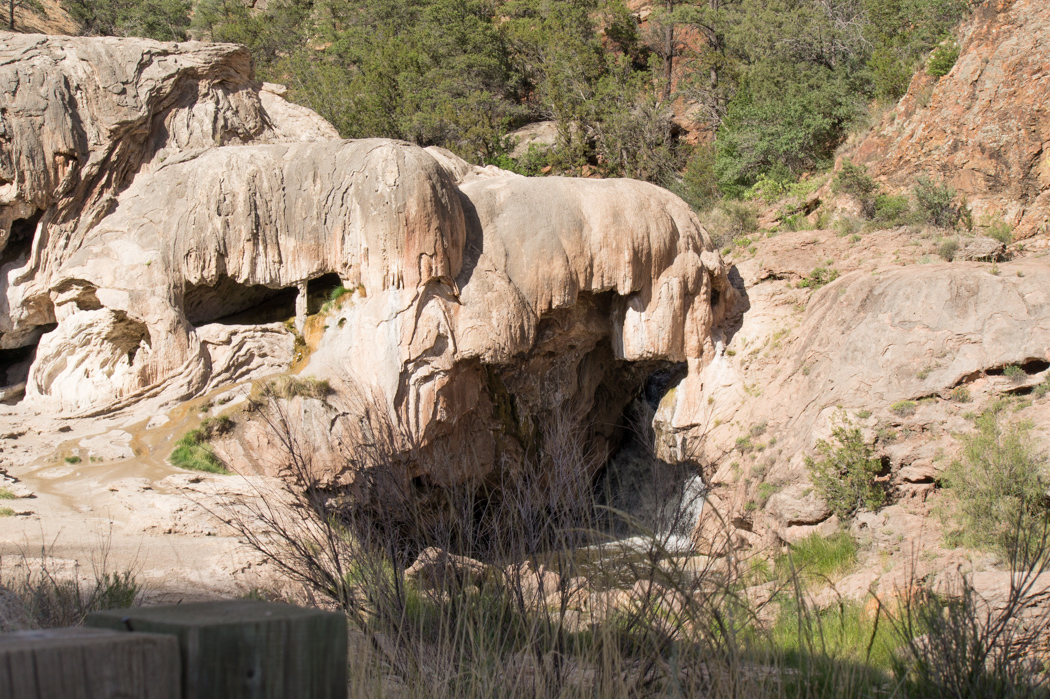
20,241
320,289
231,303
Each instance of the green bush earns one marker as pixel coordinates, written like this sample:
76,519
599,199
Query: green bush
1000,230
948,248
1014,373
845,472
855,181
820,276
892,210
943,58
960,394
729,221
766,491
164,20
849,225
998,488
796,222
904,408
54,600
935,203
73,459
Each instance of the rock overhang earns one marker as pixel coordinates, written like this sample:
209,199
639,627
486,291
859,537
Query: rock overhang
191,178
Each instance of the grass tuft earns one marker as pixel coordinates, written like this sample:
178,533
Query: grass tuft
819,558
193,452
289,387
1014,373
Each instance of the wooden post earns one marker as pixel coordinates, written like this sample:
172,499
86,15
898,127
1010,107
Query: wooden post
83,663
247,649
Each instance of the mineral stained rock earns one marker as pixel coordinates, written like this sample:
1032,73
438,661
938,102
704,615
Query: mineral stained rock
155,201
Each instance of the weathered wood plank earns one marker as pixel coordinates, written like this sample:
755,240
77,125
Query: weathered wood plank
80,663
249,649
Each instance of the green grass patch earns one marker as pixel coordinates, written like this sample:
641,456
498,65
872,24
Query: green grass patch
73,459
819,558
193,452
335,295
846,634
6,494
6,512
819,277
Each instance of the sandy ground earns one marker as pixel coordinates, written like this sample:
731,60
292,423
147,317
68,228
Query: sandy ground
122,504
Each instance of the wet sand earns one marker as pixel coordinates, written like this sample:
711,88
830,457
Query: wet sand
123,502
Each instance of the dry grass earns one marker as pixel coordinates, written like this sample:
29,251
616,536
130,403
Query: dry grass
52,594
551,604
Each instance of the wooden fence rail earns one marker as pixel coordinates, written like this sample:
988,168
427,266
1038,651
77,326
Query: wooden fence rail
212,650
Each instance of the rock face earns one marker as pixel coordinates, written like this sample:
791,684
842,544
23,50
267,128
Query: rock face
884,347
985,126
159,211
82,119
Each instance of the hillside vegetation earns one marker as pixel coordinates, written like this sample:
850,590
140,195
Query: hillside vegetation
706,98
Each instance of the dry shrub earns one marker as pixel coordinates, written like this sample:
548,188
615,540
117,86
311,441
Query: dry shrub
551,603
53,595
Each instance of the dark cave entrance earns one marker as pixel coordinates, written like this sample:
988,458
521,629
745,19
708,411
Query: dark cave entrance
319,290
20,239
231,303
14,367
656,496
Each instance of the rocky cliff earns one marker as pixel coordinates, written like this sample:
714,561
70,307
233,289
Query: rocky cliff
985,126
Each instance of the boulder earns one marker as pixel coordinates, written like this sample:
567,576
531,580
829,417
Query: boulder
797,505
436,569
981,249
541,135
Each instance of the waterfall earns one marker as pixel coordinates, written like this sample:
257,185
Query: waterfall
660,503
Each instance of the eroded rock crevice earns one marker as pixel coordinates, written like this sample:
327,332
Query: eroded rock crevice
230,302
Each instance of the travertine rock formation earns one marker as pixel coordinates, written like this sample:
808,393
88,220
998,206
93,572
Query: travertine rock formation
159,209
985,127
82,118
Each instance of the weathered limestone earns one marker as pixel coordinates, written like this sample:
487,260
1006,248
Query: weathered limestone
152,253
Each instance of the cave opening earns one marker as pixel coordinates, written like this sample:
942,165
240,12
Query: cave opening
319,290
656,495
1030,367
20,239
14,370
230,302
